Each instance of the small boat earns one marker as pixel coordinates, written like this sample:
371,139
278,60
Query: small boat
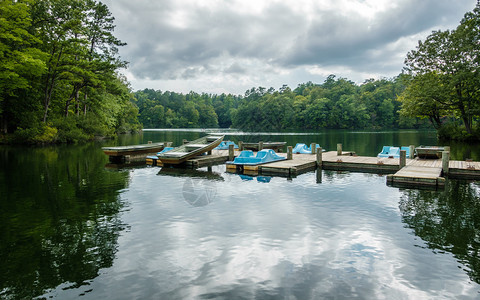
304,149
194,148
134,149
429,151
225,144
153,159
247,157
119,154
393,152
267,145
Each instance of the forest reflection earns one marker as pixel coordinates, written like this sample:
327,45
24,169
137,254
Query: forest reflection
59,218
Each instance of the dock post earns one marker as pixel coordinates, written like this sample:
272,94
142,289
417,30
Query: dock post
289,153
403,158
260,146
412,151
231,152
339,149
445,161
313,147
319,157
319,175
240,145
447,148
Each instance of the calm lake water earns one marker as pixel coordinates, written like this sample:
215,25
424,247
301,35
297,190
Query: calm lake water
72,226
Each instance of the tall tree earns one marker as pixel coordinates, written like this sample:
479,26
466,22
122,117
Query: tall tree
453,56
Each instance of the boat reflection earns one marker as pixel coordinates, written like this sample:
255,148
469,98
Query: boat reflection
192,173
264,179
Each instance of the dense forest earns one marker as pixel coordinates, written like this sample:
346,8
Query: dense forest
59,79
337,103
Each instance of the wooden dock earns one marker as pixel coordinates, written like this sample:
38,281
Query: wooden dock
413,172
416,172
414,175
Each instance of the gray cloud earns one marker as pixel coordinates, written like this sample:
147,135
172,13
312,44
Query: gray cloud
177,40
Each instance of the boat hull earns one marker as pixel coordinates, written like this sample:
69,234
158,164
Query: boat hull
182,153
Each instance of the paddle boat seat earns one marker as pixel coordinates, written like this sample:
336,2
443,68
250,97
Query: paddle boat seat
225,144
389,151
407,149
301,148
262,157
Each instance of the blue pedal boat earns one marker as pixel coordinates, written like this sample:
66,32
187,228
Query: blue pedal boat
393,152
166,149
225,144
248,158
301,148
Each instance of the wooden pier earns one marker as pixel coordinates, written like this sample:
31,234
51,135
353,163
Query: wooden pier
414,172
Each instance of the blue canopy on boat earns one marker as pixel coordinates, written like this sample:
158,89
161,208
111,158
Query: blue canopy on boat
390,151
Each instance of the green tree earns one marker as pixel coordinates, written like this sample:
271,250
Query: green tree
21,62
454,57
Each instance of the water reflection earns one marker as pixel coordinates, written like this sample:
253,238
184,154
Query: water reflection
263,179
59,218
447,221
192,173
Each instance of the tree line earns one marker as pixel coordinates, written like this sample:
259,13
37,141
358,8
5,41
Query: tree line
59,77
337,103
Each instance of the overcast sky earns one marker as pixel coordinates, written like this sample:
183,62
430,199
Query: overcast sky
229,46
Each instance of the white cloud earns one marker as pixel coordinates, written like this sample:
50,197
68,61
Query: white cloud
233,45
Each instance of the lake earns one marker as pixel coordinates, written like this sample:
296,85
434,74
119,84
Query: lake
73,226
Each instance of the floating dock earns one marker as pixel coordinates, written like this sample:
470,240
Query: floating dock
430,173
417,172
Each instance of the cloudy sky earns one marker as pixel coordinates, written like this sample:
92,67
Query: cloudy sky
229,46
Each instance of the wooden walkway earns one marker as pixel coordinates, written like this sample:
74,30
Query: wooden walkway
417,172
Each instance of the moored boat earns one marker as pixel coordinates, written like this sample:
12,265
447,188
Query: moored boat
120,153
247,157
194,148
301,148
393,152
429,151
225,144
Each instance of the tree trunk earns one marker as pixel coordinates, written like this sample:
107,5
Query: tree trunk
48,98
461,106
85,105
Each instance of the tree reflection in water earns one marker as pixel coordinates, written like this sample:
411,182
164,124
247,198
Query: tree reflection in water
59,218
447,221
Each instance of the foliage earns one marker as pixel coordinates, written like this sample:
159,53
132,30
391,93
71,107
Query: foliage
59,58
337,103
445,77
